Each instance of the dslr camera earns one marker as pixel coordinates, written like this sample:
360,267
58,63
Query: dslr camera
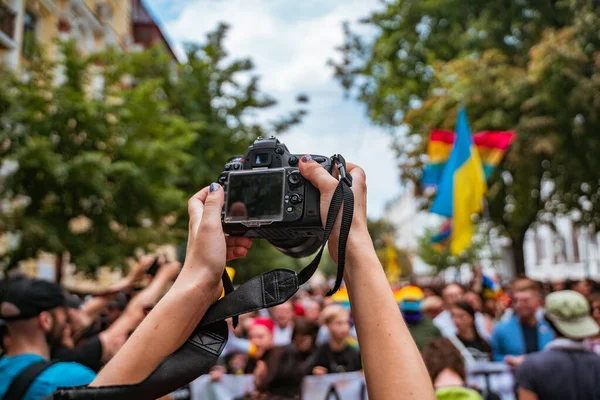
267,198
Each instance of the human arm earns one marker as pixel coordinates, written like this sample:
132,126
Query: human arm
392,363
525,394
173,319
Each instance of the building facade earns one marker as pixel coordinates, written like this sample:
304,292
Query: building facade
93,24
556,250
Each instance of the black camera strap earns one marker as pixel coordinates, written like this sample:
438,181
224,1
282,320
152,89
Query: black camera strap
200,352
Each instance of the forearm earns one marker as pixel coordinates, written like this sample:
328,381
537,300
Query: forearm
163,331
392,363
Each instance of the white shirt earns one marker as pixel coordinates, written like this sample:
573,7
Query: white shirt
282,336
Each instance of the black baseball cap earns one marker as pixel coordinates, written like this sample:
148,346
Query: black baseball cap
25,298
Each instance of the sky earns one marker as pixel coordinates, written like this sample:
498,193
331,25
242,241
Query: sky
290,43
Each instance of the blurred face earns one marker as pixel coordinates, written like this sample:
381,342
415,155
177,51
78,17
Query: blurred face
339,327
489,306
451,294
54,322
312,311
283,314
526,303
596,311
303,343
583,287
261,337
462,319
474,301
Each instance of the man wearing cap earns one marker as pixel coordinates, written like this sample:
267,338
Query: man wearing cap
566,369
36,317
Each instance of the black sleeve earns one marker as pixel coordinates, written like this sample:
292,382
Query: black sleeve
88,354
319,359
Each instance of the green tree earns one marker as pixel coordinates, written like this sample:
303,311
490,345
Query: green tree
530,65
102,172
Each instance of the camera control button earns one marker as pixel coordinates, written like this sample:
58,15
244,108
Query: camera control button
320,159
294,178
236,166
295,199
289,209
227,167
279,150
222,178
293,160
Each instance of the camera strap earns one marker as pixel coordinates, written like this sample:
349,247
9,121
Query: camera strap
201,351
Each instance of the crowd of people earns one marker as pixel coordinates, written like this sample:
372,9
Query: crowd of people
119,337
452,325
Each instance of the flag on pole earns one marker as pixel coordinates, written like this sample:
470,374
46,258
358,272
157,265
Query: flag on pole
462,186
491,145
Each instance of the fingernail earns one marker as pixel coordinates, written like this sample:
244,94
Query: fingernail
214,187
306,158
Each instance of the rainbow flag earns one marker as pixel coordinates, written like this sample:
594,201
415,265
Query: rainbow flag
491,145
441,239
461,187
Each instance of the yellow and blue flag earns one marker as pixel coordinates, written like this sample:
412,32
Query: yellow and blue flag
462,186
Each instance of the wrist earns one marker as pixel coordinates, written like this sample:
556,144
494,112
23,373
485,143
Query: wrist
199,277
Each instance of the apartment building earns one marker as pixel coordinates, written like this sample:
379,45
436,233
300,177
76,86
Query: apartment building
93,24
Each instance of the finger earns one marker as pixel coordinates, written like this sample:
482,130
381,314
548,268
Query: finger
238,241
196,208
316,174
213,205
236,252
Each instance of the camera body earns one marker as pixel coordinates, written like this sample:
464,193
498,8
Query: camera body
267,198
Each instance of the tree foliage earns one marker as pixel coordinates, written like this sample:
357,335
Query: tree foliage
527,65
105,169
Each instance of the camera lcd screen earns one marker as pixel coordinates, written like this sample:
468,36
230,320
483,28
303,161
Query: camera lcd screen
255,196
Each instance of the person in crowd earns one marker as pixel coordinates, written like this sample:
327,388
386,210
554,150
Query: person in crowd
583,286
566,369
446,368
558,285
594,342
36,318
476,302
452,293
260,336
312,310
469,343
420,326
432,306
393,365
98,349
428,291
337,355
283,315
524,332
280,371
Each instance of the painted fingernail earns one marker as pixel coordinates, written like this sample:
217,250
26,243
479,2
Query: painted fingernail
307,158
214,187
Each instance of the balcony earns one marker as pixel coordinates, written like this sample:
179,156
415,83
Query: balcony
7,27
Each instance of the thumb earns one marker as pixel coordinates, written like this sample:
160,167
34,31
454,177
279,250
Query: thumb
316,174
211,218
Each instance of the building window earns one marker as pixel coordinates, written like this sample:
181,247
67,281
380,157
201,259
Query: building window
7,20
30,22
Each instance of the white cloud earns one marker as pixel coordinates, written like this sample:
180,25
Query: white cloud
290,43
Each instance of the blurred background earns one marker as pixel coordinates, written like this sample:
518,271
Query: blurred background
112,113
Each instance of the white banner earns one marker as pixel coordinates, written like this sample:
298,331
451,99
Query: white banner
227,388
496,377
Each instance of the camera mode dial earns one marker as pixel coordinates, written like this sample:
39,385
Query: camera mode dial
294,178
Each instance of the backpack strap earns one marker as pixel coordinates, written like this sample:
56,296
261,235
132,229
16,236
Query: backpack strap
22,382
